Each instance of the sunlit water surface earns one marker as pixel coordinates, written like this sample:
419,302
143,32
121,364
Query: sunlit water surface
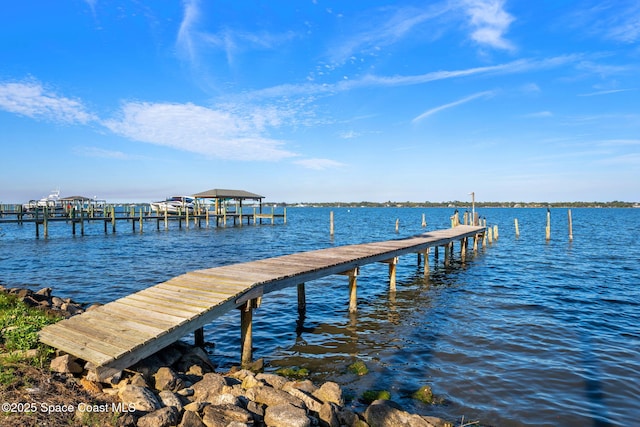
525,333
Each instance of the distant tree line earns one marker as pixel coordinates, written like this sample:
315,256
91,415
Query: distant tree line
465,204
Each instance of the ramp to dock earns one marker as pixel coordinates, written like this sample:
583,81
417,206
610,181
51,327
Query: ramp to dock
116,335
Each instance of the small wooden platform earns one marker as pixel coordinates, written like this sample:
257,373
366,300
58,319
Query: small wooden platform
123,332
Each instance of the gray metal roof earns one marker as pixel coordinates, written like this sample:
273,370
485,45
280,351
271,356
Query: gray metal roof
217,193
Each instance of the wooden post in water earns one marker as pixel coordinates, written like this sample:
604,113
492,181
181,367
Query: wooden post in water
302,308
495,232
393,262
166,219
45,222
548,228
141,219
331,223
517,228
198,337
81,222
353,294
284,216
570,226
113,219
426,262
490,232
246,325
397,225
424,220
186,216
302,301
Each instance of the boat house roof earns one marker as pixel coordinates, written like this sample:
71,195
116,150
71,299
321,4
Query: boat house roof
217,193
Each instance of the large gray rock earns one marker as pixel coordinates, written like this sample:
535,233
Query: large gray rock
169,398
223,415
164,417
286,415
141,398
385,413
166,379
271,397
210,386
275,381
191,419
330,392
66,364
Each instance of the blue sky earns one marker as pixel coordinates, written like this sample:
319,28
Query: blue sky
315,100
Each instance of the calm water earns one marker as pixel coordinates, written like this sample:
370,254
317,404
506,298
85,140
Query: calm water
526,333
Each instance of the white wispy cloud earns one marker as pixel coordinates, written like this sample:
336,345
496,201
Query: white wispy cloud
469,98
382,28
489,22
103,154
193,42
371,80
319,164
31,99
213,132
348,134
617,20
605,92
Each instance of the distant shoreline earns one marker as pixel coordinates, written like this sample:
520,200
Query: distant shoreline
460,204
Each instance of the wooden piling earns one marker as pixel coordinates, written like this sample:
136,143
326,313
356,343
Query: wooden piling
353,293
246,326
393,262
397,225
424,220
517,228
495,232
426,262
570,226
198,337
81,222
302,300
331,223
548,228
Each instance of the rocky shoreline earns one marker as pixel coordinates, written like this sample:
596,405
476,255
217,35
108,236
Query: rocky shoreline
179,386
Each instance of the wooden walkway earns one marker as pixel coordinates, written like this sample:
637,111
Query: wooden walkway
118,334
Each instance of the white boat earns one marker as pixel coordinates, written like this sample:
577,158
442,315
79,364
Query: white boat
174,205
52,201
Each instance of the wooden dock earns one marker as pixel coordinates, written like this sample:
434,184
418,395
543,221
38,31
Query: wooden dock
116,335
137,216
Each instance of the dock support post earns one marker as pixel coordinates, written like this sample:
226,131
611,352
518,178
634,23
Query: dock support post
284,215
353,293
426,262
517,228
113,219
246,325
393,262
397,225
570,226
166,219
198,337
463,248
424,220
302,301
45,223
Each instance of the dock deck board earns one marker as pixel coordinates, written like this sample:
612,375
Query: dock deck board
118,334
